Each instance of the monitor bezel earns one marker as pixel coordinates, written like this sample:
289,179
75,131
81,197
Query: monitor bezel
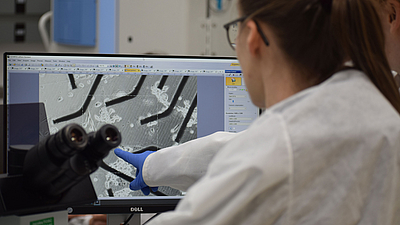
109,205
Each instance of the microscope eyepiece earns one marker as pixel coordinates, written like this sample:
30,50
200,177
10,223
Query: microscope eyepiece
65,158
76,135
71,139
112,135
101,142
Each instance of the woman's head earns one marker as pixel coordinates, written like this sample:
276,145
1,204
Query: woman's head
319,36
303,32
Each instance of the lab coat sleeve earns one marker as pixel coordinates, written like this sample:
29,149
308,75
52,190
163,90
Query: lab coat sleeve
181,166
248,182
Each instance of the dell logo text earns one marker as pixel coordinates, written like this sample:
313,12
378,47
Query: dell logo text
136,209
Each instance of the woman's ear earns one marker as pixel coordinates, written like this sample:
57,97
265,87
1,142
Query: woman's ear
394,16
254,40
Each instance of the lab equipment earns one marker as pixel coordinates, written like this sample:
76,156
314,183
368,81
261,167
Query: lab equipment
65,158
155,101
55,171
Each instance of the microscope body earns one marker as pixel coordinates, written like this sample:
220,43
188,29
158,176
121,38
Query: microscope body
55,172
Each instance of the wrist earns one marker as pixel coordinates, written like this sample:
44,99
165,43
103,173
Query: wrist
146,170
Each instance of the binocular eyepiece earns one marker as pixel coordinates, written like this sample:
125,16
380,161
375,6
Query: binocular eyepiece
65,158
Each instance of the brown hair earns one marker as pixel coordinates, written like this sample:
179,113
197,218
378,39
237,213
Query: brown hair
319,41
384,1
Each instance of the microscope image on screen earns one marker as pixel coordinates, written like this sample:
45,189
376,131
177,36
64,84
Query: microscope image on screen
150,111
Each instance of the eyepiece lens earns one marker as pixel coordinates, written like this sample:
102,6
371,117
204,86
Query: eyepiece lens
76,135
111,135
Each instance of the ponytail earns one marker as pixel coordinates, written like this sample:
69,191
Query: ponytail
357,26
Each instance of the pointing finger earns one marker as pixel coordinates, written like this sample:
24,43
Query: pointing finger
128,157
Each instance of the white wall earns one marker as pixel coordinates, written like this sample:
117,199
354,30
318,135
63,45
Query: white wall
173,27
167,27
154,26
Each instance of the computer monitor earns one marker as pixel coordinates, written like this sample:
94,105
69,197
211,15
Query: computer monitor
155,102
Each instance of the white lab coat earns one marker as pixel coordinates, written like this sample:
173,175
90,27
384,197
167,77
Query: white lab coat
327,155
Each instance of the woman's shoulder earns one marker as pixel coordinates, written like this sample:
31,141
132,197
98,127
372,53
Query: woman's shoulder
348,96
346,106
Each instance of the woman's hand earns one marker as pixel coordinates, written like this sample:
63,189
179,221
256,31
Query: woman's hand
137,160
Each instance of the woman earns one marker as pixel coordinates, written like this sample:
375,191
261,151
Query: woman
325,151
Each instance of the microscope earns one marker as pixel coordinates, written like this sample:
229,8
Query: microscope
54,174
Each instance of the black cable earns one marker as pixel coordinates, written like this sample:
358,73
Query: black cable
72,80
162,82
129,96
149,148
106,167
171,106
157,214
186,120
83,109
128,219
110,192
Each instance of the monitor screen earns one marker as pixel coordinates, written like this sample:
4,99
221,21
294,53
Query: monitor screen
154,101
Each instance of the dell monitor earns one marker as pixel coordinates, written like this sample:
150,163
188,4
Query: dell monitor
154,101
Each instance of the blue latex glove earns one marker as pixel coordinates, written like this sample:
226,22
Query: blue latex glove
137,160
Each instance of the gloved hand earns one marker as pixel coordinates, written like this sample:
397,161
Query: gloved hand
137,160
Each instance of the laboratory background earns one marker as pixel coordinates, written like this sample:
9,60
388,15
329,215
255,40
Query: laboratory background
90,88
156,27
192,27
